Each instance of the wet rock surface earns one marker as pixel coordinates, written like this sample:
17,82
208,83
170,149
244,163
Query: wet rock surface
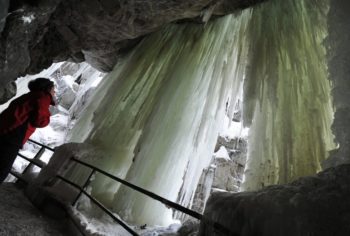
316,205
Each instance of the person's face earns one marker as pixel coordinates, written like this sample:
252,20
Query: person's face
52,91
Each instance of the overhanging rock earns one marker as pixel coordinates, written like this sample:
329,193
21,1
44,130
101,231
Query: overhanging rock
38,33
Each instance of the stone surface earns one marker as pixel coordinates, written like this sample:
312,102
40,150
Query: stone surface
339,71
4,4
316,205
224,174
19,217
189,227
7,92
38,33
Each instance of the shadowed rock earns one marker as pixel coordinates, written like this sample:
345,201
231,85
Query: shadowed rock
315,205
38,33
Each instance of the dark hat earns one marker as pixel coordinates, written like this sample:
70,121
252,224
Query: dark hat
40,84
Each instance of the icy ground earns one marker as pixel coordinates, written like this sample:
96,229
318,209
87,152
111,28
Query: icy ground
19,217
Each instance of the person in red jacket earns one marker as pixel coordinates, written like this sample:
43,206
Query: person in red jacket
19,121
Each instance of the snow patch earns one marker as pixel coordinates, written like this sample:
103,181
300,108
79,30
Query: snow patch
222,153
28,19
233,130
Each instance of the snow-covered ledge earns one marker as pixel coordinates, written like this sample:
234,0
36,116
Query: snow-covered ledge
47,180
315,205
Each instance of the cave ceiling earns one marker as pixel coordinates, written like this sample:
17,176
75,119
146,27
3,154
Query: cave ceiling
34,34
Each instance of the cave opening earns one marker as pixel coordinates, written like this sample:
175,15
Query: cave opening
160,117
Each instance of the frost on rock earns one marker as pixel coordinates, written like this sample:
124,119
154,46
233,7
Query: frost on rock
28,19
221,154
225,173
68,89
315,205
287,101
157,115
64,75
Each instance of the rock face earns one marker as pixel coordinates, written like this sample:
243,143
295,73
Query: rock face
4,4
225,172
317,205
38,33
339,70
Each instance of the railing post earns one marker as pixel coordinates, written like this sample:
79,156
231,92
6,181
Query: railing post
103,208
36,157
87,182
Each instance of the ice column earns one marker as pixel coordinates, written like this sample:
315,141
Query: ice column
287,94
181,133
155,119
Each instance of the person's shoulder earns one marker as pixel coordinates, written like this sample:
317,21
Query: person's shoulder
22,98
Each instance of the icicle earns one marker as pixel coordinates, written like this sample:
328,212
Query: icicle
287,95
156,117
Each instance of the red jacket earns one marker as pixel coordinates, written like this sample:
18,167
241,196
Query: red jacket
32,107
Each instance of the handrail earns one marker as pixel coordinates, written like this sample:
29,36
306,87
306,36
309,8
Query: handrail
124,225
43,145
166,202
146,192
18,176
33,161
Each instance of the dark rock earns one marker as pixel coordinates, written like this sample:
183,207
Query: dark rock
4,4
7,92
236,143
38,33
338,51
316,205
189,227
19,216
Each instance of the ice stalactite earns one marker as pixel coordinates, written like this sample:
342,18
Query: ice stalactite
287,94
181,134
157,116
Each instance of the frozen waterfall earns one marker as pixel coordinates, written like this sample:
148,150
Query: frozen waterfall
155,118
288,105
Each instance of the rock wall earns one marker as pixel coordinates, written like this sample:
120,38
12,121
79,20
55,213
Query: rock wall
225,173
38,33
4,4
316,205
339,74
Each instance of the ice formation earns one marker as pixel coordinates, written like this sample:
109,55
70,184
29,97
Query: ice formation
64,75
287,93
156,117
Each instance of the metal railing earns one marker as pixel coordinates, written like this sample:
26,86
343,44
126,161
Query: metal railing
32,161
166,202
218,227
36,161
